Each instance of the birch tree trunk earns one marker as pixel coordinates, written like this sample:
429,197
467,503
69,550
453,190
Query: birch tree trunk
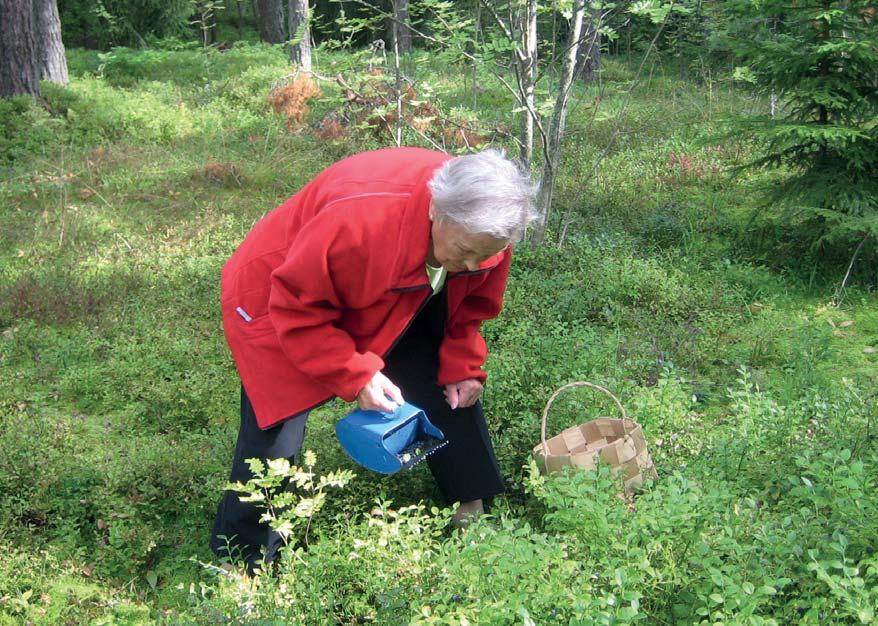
477,31
527,79
51,62
18,67
397,75
300,33
552,156
521,32
271,21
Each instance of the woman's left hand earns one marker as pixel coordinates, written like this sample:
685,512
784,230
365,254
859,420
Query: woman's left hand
463,394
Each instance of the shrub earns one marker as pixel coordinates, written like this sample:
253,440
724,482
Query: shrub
123,67
113,22
25,130
44,590
61,296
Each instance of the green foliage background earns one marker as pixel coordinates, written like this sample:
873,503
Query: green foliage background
118,401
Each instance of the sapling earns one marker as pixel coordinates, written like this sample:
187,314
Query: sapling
289,495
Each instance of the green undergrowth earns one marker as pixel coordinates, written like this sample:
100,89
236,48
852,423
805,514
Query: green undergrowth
123,194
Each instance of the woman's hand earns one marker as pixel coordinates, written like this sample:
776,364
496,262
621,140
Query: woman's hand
379,394
463,394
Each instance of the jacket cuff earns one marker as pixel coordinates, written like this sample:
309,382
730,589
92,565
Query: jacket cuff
362,368
455,373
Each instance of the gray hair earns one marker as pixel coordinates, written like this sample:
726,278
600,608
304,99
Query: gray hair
484,193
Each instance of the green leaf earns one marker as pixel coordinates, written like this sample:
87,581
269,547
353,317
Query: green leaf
681,610
279,467
257,467
744,74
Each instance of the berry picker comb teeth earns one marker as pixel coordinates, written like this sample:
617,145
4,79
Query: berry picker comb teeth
389,442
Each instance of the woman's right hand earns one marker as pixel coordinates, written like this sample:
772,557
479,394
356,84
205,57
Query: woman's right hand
379,394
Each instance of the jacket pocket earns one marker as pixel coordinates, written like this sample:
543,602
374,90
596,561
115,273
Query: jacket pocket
250,311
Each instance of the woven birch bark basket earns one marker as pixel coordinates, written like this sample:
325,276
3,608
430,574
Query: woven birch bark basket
616,442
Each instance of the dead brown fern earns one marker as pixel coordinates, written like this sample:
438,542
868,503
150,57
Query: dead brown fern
228,174
291,100
331,127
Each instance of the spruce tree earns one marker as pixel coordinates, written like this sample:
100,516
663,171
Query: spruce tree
819,60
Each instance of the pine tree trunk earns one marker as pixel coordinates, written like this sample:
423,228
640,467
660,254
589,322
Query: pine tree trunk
19,74
51,62
300,33
271,21
239,23
210,33
403,34
206,22
396,31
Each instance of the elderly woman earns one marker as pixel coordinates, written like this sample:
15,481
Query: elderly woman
370,284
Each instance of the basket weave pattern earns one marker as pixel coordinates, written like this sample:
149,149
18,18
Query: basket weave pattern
617,442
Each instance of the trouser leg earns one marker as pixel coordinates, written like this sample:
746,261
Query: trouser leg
466,468
237,532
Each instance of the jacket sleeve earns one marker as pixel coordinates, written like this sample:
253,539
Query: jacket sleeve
306,302
463,350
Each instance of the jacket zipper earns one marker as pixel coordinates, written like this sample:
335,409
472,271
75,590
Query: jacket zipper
411,321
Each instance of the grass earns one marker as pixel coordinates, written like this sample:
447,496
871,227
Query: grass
118,399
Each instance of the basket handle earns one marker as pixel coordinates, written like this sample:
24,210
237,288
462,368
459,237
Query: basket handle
580,383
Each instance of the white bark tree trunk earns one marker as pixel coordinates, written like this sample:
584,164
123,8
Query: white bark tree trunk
521,32
552,156
528,79
397,74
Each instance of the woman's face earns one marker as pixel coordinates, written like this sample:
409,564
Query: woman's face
459,251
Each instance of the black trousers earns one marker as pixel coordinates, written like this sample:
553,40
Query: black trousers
465,469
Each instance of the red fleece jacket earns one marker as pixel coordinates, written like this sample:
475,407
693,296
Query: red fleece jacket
325,284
